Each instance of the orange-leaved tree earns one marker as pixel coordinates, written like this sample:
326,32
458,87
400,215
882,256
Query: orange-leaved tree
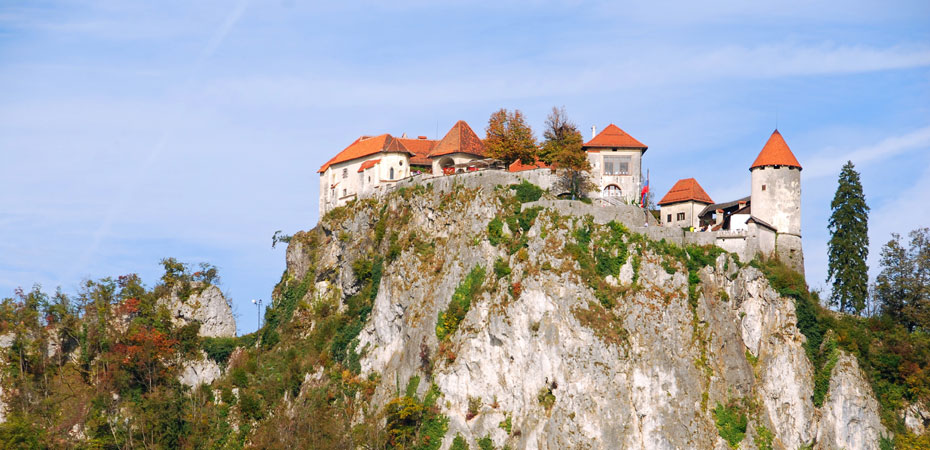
510,138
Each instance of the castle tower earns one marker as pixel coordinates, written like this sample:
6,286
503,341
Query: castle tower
776,199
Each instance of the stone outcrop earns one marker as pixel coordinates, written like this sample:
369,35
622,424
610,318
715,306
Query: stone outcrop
208,307
850,411
197,372
564,371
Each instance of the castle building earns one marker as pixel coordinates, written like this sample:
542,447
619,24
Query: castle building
681,206
372,164
768,221
616,164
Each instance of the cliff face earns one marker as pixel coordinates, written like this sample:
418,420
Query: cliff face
542,330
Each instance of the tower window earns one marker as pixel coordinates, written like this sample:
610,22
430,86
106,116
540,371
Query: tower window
616,165
763,187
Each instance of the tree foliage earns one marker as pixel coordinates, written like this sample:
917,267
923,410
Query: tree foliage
849,243
562,148
902,289
510,138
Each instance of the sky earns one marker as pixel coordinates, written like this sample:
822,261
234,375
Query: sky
134,131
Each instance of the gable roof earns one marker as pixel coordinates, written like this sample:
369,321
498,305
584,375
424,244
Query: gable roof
733,205
365,146
420,148
685,190
775,153
613,136
460,139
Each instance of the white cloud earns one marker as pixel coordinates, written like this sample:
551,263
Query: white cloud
828,161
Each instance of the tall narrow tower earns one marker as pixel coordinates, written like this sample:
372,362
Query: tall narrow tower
776,198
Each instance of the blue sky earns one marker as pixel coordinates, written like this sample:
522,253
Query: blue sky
132,131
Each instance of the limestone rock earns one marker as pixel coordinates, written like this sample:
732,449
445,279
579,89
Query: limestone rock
209,307
569,373
850,413
197,372
917,418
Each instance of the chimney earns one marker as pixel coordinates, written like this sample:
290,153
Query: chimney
742,204
593,131
719,218
403,136
421,137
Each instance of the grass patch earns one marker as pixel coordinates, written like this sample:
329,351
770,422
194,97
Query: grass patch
466,291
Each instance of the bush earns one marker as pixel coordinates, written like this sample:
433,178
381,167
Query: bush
466,291
731,423
527,192
501,268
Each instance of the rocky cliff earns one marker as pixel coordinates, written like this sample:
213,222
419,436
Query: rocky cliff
535,329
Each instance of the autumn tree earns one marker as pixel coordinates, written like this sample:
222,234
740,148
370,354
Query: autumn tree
510,138
562,148
902,289
849,243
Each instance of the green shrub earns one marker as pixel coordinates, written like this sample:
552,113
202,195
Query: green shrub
219,348
526,191
448,320
546,397
506,424
764,438
459,443
501,268
495,231
731,423
486,443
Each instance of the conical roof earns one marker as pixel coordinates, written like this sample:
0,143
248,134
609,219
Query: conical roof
460,139
775,153
613,136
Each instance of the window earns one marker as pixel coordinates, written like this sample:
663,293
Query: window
400,163
391,176
345,173
369,178
343,192
763,187
612,191
680,216
669,218
616,165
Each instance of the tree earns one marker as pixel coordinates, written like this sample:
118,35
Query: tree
509,138
849,243
562,149
902,289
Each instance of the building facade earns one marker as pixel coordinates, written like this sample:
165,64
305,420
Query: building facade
683,203
616,164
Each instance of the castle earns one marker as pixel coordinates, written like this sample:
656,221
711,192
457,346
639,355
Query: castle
768,221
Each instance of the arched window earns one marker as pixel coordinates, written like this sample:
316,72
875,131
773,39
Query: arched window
612,191
391,176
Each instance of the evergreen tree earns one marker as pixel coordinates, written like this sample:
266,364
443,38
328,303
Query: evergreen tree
562,148
849,243
510,138
902,289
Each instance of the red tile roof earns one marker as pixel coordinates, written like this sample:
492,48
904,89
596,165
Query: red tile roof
518,166
369,164
613,136
775,153
460,139
420,148
686,190
365,146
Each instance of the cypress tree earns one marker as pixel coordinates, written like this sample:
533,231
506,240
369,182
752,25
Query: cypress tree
849,243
